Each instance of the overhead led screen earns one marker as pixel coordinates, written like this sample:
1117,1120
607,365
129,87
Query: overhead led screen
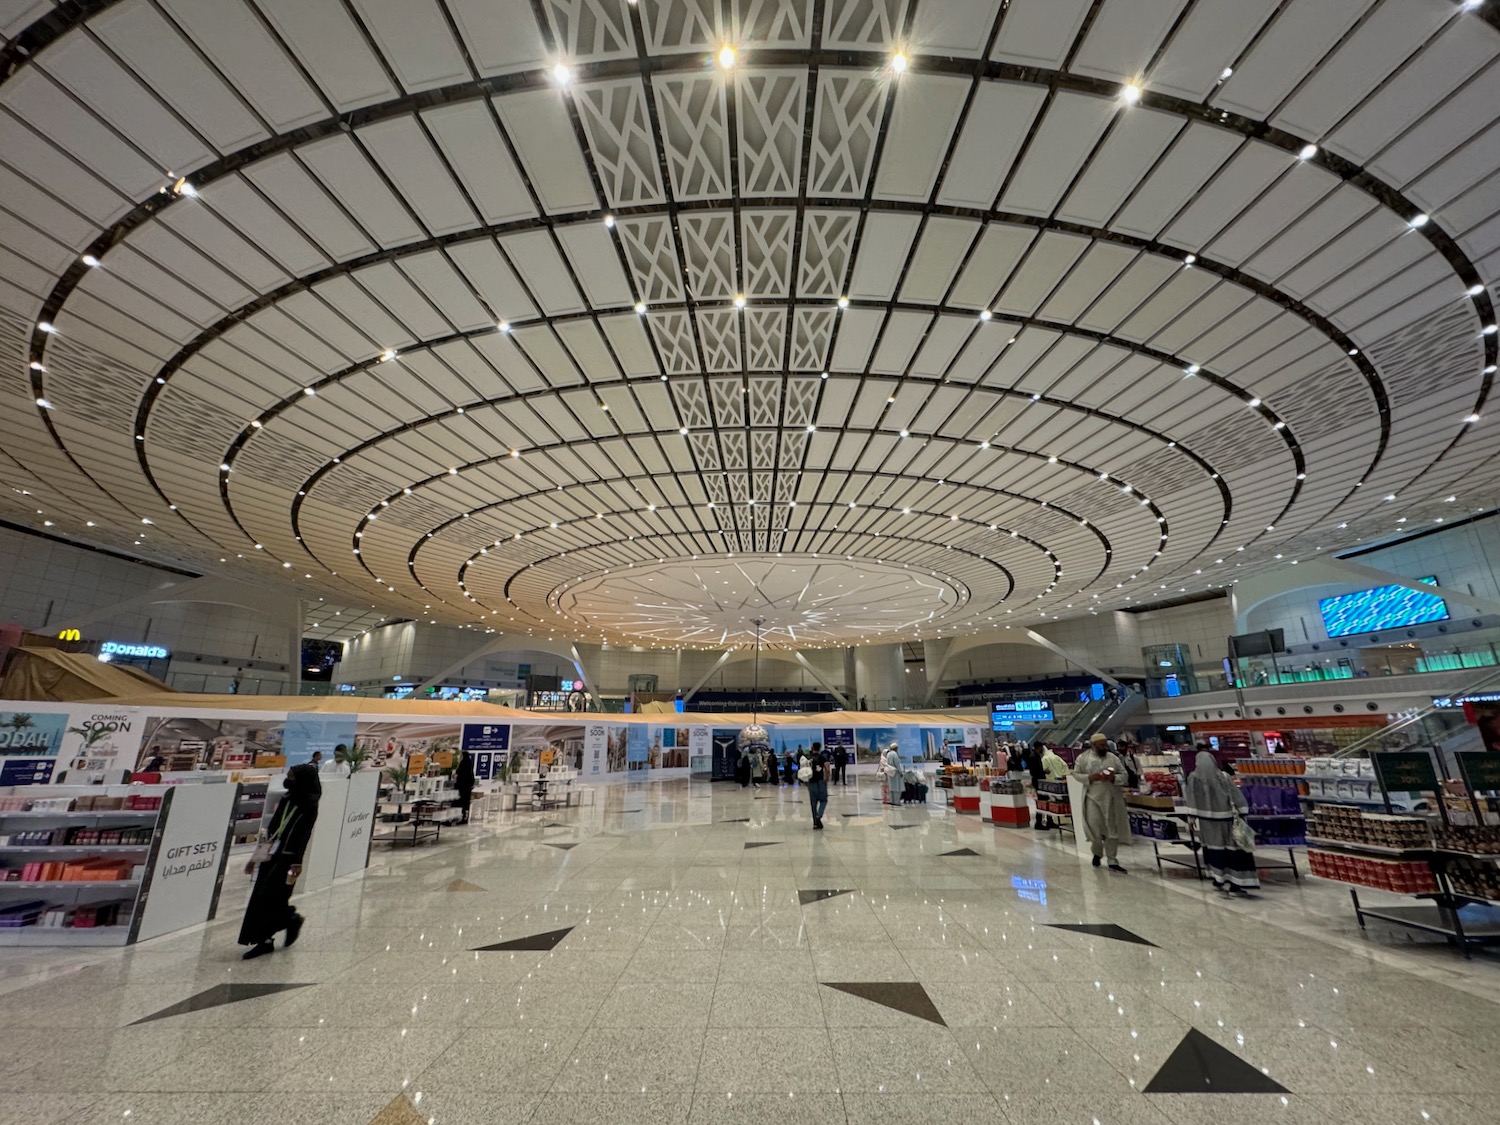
1384,607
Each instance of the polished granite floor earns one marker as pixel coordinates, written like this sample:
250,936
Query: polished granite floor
707,957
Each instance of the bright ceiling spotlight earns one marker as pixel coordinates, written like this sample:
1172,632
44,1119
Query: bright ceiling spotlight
1130,93
739,300
387,355
1472,418
1489,330
1417,221
899,62
1226,74
182,187
985,314
1190,259
45,326
562,74
727,56
1254,402
44,404
1473,290
609,221
1307,152
309,391
640,308
843,302
503,326
89,260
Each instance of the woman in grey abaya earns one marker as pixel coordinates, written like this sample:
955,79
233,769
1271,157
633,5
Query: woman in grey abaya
1214,800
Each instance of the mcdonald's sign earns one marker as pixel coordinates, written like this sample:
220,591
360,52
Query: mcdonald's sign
70,635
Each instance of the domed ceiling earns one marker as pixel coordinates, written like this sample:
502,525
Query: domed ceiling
874,318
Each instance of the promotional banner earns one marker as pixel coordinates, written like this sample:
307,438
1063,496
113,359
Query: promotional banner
100,745
305,734
637,745
179,743
909,744
549,744
392,742
359,824
726,752
29,744
700,751
486,736
838,738
595,749
187,860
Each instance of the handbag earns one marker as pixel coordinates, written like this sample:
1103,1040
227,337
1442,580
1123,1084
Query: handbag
1241,834
804,772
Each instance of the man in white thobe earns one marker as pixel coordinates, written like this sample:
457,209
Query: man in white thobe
1104,817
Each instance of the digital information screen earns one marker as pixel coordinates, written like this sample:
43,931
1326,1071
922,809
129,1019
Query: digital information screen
1384,607
1020,711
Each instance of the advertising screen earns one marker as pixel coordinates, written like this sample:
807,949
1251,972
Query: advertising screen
1384,607
1020,711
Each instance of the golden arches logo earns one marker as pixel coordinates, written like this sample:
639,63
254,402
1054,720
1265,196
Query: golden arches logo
70,635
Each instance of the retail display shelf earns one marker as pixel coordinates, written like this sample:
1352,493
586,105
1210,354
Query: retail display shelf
80,814
1368,849
73,849
68,884
66,935
1453,853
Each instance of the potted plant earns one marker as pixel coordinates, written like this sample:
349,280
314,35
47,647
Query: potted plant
356,757
508,790
399,777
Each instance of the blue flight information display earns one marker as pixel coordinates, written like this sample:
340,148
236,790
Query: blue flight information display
1020,711
1384,607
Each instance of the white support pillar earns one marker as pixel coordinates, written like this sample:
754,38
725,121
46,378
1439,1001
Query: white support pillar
815,674
500,641
723,660
585,676
1037,638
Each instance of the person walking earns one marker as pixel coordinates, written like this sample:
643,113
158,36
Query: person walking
1215,800
1038,772
1103,777
757,767
278,863
789,769
742,767
816,762
463,781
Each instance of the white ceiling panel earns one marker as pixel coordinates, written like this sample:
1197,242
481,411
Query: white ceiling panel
939,254
1048,260
492,277
1039,32
324,37
899,340
1251,171
1091,276
149,44
538,124
921,125
1293,195
1191,162
1443,65
180,259
202,228
1209,40
1302,34
1452,124
405,301
536,259
62,121
882,253
1124,37
858,329
954,27
596,263
467,135
500,34
114,94
630,343
551,359
589,350
1379,45
441,284
1066,136
944,339
296,194
994,130
1127,153
409,161
353,181
991,262
413,36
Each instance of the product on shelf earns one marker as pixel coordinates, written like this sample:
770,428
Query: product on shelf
1153,827
1471,838
1272,799
1278,767
1358,826
94,870
1401,876
1476,878
1052,798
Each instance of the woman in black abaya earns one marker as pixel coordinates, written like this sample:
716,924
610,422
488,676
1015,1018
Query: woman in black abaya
280,856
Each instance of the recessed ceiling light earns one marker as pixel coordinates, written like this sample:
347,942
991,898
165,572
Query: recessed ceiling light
45,326
1190,259
1307,152
387,355
640,308
1226,73
1254,402
739,300
843,302
90,261
44,404
1418,220
1472,418
1489,330
309,391
1473,290
562,74
1130,93
726,56
985,314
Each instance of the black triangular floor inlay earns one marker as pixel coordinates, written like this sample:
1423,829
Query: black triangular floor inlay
554,824
738,820
1105,929
805,897
218,996
564,847
536,942
855,814
903,996
764,844
898,827
960,851
1201,1066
